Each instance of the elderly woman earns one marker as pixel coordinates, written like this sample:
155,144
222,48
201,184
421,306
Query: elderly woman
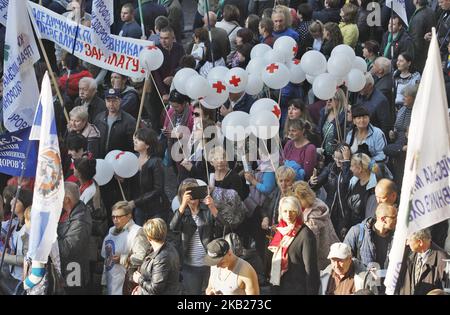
294,262
404,76
360,200
79,124
332,123
316,216
160,271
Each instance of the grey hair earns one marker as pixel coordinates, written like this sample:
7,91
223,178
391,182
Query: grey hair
80,112
384,64
90,82
369,79
423,235
293,203
72,191
410,90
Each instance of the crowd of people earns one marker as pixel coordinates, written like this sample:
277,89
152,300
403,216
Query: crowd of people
320,223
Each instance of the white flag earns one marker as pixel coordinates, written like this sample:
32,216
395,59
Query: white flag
3,11
20,87
425,195
48,193
399,7
102,18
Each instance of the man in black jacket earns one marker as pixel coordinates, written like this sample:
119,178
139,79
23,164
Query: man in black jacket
87,89
129,98
74,232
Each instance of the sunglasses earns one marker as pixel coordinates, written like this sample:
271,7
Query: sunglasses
117,216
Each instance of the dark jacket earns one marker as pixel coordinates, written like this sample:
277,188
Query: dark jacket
121,137
130,101
432,276
96,106
73,240
147,189
244,104
169,66
327,15
185,224
442,29
420,24
385,86
150,11
302,277
403,43
381,114
161,272
220,38
365,250
323,119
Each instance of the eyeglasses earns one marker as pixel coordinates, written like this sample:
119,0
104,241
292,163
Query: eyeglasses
118,216
196,114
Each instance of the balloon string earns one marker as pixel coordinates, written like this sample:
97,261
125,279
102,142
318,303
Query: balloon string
204,151
121,189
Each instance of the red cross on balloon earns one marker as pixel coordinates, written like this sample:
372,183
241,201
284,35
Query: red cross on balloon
235,80
272,68
219,86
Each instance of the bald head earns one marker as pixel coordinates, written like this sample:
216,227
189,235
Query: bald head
212,19
386,191
386,218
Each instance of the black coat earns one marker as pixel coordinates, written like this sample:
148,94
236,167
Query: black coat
73,240
161,272
385,85
122,130
420,24
403,43
431,277
302,277
96,106
147,189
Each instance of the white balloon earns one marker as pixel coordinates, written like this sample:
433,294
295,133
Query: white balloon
217,94
275,56
340,80
259,50
355,80
313,63
236,80
256,66
286,44
324,86
235,125
345,49
197,87
265,104
126,164
111,156
264,124
151,58
276,75
182,77
254,85
217,73
103,172
339,65
297,75
310,78
360,64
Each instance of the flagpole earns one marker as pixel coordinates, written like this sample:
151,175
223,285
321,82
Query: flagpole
141,106
121,189
142,18
13,211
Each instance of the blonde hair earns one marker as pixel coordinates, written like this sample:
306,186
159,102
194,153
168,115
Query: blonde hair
339,96
293,203
363,160
285,172
304,193
282,9
79,112
155,229
122,205
27,214
316,27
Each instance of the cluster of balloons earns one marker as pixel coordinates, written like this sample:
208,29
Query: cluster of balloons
263,121
343,67
122,163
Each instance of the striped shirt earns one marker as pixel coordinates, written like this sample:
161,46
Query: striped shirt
196,252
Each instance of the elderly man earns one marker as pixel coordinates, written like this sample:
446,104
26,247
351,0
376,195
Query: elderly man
425,265
124,250
74,232
129,98
381,71
381,114
87,91
282,21
345,275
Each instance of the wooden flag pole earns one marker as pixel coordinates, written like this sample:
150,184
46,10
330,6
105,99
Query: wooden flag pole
144,92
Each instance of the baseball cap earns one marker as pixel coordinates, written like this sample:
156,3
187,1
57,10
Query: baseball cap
112,93
215,251
340,250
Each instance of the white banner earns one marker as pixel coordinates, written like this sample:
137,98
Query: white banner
124,57
399,8
3,11
425,195
20,87
102,18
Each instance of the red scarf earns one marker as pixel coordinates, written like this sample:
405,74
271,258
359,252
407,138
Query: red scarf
283,232
85,186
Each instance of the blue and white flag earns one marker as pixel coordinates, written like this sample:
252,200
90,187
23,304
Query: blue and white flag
425,195
20,87
102,18
3,11
49,186
13,147
399,7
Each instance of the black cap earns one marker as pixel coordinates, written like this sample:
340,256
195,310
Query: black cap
112,93
359,111
215,251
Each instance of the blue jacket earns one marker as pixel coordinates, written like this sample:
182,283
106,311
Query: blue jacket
375,140
363,247
381,114
287,32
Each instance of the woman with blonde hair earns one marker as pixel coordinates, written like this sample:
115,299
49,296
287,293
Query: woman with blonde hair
294,261
79,123
316,216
